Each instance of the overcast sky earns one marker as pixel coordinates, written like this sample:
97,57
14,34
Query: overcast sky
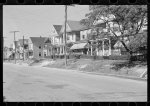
36,20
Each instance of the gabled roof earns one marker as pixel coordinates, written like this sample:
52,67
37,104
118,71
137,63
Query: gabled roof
76,25
57,28
38,40
20,41
47,40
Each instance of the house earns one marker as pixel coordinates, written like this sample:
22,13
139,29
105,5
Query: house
23,48
48,47
115,47
85,45
36,46
57,40
6,53
89,41
73,35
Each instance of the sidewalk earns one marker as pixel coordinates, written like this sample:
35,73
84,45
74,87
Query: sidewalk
115,75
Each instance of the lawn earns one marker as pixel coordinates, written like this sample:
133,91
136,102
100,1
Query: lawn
120,67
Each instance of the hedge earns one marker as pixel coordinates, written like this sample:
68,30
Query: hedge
112,57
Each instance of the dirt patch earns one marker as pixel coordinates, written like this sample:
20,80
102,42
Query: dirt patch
121,67
57,86
27,83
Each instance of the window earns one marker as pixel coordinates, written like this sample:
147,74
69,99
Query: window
45,46
30,53
68,38
39,54
44,53
83,36
39,47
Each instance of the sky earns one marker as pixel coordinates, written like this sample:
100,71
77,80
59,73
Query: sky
36,20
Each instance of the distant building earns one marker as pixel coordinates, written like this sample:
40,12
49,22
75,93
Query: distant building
23,48
36,47
16,52
48,48
7,53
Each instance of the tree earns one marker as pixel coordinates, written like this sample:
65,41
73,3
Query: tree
138,43
120,19
68,45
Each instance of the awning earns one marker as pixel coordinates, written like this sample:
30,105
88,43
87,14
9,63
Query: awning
78,46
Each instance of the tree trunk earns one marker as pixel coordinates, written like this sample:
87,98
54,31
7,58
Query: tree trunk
129,51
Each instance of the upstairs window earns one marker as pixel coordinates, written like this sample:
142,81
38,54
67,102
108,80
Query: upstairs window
83,36
39,47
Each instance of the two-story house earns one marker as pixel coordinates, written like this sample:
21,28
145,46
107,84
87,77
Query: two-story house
86,42
57,40
73,35
36,45
48,48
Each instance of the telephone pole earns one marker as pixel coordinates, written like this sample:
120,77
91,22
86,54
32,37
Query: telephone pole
14,42
23,48
65,34
3,47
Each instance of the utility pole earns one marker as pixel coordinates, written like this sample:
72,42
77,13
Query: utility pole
23,48
65,35
14,42
3,42
3,47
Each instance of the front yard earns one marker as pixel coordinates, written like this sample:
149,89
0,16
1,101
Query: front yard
106,66
119,67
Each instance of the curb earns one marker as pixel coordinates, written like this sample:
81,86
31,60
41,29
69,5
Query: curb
105,74
114,75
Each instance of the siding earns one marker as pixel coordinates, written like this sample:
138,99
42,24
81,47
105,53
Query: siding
36,51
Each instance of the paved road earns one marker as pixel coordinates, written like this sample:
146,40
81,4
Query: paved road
30,83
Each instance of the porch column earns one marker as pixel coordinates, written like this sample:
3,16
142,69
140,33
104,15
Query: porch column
60,51
47,50
63,49
97,48
51,51
88,51
91,49
57,50
109,47
103,46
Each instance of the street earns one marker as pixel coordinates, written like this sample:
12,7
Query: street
35,83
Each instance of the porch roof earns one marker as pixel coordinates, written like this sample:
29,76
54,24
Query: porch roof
78,46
